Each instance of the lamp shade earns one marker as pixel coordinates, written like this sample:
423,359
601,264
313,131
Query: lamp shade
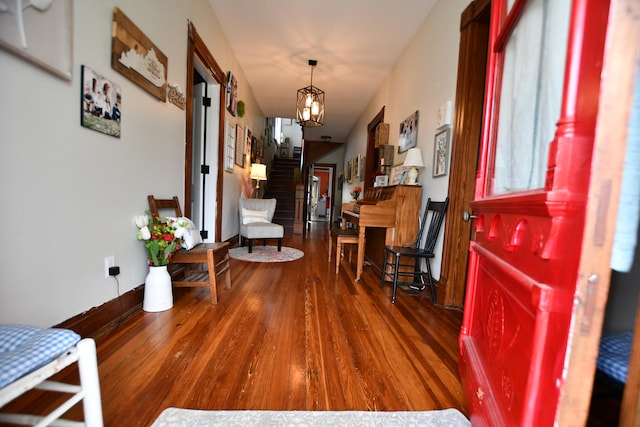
258,172
414,158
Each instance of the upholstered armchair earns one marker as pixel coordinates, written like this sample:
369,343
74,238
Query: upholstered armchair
255,222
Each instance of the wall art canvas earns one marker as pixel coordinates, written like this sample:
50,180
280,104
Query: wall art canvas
22,25
408,133
441,152
232,93
101,102
135,56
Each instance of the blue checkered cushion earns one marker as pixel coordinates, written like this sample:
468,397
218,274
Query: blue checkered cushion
613,358
24,349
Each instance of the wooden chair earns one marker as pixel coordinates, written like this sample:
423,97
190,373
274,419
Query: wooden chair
393,268
203,263
342,236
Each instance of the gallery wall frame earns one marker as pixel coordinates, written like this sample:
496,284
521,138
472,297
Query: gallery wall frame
232,93
101,103
240,146
408,137
230,146
441,152
21,34
136,57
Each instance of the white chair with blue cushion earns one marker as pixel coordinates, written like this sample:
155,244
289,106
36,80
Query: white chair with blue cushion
255,222
30,355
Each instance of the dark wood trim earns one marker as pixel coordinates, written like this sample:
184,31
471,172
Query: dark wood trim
101,320
371,160
197,49
466,133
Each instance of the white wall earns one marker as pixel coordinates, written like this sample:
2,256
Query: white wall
423,79
70,193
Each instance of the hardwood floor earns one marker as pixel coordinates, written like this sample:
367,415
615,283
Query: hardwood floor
290,336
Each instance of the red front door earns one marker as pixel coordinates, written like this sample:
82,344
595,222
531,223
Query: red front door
542,92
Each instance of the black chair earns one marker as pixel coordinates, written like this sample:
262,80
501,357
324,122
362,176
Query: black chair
393,267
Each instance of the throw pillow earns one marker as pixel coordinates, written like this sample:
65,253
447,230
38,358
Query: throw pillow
191,237
250,216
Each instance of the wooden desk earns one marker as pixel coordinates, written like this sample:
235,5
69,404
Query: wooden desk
395,208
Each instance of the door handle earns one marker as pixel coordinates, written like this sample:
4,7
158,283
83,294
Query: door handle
466,216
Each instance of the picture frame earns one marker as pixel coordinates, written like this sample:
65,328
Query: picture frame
135,56
248,139
101,102
408,137
240,147
441,152
232,94
21,34
396,175
381,181
230,146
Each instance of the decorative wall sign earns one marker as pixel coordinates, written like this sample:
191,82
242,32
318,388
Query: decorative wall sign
177,97
101,101
408,133
22,32
136,57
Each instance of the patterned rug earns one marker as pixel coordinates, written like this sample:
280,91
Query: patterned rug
266,254
174,417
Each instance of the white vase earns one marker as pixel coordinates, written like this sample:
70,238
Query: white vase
157,290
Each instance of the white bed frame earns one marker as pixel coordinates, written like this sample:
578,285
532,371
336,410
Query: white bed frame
84,353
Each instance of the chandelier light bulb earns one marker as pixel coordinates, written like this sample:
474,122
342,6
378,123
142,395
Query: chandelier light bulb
308,101
315,108
306,114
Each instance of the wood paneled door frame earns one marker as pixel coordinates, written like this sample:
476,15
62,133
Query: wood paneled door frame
467,128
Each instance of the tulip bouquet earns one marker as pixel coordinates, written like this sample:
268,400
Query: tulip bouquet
162,237
355,193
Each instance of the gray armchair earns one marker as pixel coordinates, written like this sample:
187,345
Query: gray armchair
255,222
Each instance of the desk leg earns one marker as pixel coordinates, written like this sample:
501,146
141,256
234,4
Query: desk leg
360,267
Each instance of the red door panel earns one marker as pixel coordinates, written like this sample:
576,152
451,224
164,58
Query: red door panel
525,252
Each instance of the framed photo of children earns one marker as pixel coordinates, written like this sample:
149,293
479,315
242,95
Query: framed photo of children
101,101
441,152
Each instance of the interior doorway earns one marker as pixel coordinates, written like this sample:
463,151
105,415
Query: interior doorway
204,138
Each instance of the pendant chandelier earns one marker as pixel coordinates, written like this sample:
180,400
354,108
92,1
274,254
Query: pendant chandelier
310,104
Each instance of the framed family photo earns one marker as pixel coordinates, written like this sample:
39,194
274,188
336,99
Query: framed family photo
408,133
101,102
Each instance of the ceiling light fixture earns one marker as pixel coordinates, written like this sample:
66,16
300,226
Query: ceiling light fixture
310,104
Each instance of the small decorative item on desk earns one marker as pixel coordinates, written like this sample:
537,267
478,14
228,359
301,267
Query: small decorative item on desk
162,238
355,193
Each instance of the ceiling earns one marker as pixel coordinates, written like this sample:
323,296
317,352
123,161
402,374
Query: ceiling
356,44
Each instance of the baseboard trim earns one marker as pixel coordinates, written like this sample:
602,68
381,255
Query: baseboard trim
100,320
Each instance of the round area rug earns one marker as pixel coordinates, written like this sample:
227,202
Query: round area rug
266,254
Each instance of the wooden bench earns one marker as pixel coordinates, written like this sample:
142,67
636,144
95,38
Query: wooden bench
215,256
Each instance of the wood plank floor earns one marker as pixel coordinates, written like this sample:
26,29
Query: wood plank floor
290,336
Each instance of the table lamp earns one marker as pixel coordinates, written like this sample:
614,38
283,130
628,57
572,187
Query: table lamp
413,161
258,172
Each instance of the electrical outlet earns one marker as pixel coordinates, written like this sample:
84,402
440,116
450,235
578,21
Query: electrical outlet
109,261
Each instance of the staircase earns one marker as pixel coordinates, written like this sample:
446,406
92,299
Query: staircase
280,186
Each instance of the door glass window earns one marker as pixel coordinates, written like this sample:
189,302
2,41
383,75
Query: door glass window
530,95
